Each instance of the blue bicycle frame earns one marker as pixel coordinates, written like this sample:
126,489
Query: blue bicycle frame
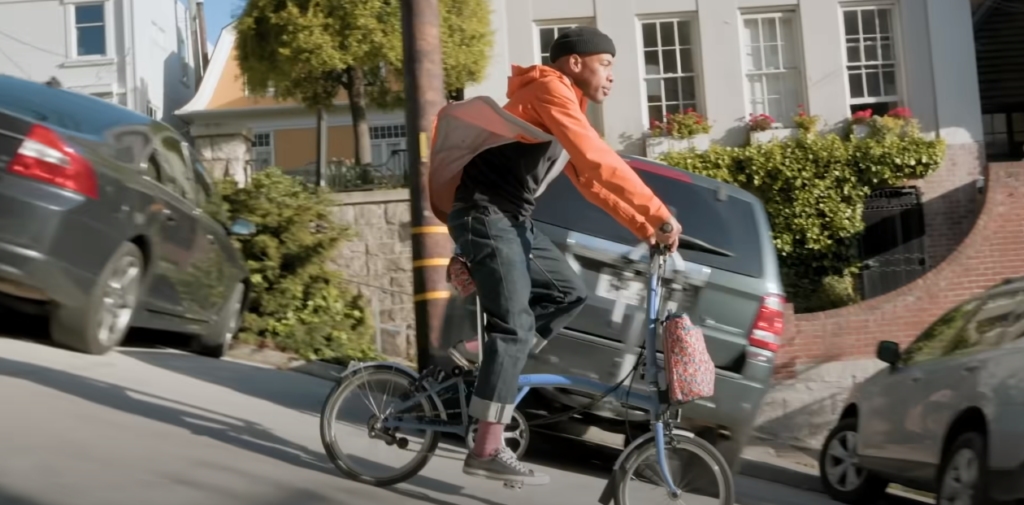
623,395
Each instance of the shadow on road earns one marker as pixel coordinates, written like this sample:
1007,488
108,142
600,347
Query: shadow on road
233,431
288,389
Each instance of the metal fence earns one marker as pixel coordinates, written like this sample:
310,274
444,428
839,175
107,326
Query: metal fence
348,176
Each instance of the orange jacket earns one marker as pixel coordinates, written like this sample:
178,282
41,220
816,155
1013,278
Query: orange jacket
543,106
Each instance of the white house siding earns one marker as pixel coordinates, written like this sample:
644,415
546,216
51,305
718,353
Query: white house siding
932,51
139,65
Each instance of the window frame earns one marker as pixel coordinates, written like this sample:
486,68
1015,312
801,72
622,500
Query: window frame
387,133
695,49
595,111
897,48
71,21
972,305
785,117
268,149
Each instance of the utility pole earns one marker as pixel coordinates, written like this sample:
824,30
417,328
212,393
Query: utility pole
425,95
321,145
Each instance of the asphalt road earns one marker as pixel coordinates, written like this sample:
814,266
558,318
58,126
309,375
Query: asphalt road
154,426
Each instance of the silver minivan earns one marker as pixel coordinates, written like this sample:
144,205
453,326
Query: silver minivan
740,309
945,416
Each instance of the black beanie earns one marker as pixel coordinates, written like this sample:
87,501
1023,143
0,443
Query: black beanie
581,40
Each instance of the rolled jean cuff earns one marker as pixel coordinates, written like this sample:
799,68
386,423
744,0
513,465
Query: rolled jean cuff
491,412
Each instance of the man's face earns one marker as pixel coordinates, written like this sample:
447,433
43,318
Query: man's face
593,75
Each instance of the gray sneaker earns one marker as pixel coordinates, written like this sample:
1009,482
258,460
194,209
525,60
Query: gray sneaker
462,356
504,466
470,360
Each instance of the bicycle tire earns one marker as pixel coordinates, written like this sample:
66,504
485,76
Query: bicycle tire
337,456
694,444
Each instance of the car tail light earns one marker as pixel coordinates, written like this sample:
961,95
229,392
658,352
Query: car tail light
767,332
45,157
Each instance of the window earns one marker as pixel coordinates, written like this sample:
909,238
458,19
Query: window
985,331
204,187
1004,133
152,111
90,30
247,92
262,150
669,67
385,140
771,62
546,35
729,224
871,65
933,342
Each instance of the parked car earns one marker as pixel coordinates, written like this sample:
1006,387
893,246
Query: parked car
945,416
102,224
740,309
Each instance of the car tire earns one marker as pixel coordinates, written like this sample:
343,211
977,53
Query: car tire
217,340
964,469
840,477
101,323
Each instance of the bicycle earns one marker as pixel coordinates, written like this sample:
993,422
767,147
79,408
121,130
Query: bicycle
421,406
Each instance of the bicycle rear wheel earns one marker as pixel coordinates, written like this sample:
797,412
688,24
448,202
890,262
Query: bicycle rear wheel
359,428
694,466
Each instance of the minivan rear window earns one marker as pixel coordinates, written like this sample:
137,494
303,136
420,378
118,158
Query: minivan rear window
729,224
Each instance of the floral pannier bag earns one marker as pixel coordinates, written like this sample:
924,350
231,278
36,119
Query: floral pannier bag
689,371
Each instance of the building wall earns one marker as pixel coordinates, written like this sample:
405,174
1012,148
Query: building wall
141,46
297,146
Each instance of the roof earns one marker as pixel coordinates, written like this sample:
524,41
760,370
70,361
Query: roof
221,54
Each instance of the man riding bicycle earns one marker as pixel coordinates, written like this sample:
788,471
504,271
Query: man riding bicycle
488,165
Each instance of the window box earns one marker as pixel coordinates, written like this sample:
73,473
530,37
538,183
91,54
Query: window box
656,146
773,134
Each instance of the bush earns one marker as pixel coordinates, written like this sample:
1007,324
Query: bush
297,303
813,188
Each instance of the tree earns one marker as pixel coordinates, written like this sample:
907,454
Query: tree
309,50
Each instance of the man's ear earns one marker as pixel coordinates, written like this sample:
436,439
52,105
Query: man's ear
575,62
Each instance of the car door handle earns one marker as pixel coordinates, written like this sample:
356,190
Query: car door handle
915,378
974,367
211,239
169,216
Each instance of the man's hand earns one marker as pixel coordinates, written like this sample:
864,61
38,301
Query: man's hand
667,235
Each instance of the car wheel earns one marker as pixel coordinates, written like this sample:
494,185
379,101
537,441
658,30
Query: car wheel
101,323
963,473
222,331
842,479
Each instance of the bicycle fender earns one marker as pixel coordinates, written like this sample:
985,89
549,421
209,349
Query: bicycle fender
354,367
608,493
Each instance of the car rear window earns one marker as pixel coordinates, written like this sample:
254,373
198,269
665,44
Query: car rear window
62,109
729,224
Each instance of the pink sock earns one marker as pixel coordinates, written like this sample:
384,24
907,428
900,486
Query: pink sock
489,437
473,346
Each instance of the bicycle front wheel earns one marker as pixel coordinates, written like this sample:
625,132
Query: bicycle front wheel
372,454
694,466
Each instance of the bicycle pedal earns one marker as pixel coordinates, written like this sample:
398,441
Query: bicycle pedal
513,486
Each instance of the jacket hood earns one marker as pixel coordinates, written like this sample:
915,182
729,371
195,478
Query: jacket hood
524,76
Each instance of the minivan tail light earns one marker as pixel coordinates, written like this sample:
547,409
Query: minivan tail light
767,331
45,157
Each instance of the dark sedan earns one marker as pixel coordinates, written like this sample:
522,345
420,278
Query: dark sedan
102,224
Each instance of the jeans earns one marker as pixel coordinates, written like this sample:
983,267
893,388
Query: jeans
525,287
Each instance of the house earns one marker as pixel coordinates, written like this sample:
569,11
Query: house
283,132
137,53
731,58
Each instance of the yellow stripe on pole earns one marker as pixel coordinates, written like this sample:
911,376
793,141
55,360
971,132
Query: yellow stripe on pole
431,262
429,229
432,295
424,148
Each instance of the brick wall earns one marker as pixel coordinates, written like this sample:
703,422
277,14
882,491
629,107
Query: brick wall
951,200
993,250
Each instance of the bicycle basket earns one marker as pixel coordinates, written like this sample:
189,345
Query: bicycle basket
689,371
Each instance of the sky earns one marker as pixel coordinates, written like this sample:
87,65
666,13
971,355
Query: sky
218,14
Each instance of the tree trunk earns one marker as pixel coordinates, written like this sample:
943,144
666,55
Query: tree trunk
357,104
